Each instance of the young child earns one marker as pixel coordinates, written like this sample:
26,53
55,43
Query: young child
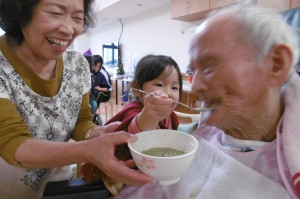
160,76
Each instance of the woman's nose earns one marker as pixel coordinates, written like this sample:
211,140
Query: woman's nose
67,27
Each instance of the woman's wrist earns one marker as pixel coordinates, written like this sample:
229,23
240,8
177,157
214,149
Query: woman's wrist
88,134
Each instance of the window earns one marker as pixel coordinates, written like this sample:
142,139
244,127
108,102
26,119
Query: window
111,54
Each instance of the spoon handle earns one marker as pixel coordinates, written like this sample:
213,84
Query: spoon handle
182,104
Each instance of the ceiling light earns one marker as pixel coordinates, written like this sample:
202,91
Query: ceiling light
1,32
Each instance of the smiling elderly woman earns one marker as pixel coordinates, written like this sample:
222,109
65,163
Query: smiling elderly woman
243,61
44,100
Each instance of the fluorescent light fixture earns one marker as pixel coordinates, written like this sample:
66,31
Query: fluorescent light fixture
102,4
1,32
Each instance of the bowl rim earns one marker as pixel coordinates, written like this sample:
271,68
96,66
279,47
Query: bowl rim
170,157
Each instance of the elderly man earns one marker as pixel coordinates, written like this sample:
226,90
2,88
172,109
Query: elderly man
243,66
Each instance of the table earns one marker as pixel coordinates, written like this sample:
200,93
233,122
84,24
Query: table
124,81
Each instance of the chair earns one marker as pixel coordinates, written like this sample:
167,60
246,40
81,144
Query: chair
188,116
100,122
187,122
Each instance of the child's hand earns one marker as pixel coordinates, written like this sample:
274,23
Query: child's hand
159,105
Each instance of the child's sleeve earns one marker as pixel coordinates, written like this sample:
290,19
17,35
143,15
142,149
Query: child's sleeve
133,126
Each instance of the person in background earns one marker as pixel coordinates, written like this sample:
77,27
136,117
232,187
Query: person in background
106,75
159,76
100,85
92,100
243,61
44,100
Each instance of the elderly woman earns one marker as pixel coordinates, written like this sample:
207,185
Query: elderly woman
44,100
243,66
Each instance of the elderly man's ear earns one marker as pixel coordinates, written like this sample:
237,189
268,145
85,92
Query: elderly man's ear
281,63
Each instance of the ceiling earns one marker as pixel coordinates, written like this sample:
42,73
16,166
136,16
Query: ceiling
110,11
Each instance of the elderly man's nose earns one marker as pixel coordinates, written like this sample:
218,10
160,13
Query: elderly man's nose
198,83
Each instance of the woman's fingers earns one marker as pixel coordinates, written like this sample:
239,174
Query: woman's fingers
101,130
127,175
122,137
103,151
111,127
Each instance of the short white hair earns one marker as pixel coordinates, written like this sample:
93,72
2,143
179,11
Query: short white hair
265,28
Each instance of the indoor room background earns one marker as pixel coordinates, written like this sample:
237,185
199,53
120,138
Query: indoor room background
153,32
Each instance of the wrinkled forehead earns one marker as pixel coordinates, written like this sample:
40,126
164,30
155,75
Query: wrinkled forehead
217,32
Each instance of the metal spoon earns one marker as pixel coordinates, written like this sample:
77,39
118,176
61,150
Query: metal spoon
182,104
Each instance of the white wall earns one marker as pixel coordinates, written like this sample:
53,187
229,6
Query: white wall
153,32
82,43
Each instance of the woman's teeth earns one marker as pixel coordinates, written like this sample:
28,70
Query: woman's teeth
57,42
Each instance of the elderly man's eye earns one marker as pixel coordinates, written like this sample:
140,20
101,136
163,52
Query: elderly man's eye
207,70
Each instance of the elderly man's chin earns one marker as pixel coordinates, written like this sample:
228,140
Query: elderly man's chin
208,118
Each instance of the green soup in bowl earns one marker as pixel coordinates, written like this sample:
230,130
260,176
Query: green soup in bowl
164,154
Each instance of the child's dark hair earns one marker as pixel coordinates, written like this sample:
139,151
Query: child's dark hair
151,66
98,59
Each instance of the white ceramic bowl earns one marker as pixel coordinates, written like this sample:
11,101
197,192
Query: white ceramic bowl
167,170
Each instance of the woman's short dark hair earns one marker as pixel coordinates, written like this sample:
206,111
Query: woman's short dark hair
16,14
151,66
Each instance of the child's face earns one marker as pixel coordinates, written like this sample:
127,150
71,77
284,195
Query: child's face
167,82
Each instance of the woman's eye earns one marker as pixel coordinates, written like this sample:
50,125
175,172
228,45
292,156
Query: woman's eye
78,18
175,88
56,13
